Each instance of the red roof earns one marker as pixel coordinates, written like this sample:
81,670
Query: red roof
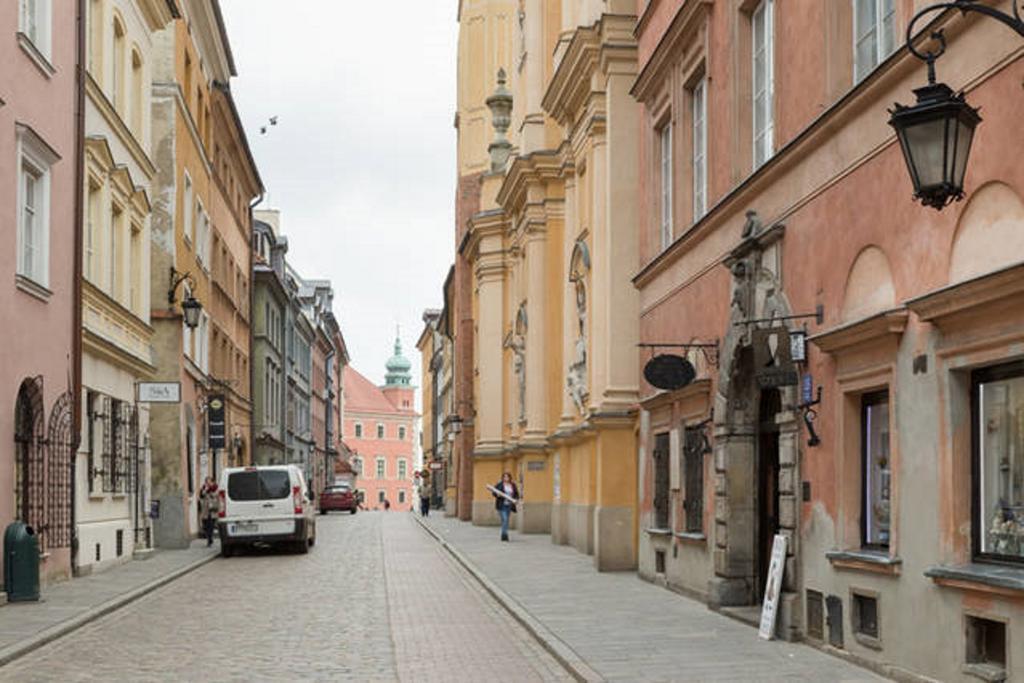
362,395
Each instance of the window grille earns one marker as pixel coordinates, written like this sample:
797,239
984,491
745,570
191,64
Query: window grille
661,480
693,478
30,460
60,463
108,418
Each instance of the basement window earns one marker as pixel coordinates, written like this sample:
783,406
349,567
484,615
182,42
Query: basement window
815,615
659,562
864,618
986,649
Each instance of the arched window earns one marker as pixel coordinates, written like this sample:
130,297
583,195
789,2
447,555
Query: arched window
138,95
29,461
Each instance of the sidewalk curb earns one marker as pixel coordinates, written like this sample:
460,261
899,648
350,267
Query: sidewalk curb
48,635
558,649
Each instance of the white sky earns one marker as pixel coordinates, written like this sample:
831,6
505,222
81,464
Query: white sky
362,161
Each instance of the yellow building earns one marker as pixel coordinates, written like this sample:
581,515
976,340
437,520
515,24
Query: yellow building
548,256
204,183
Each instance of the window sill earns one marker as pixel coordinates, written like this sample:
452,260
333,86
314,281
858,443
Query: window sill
868,641
985,578
32,288
658,531
693,537
36,55
865,560
986,672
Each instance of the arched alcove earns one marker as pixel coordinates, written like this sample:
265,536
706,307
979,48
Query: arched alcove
990,234
869,286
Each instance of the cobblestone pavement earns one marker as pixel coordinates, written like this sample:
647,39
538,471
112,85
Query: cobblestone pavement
627,629
376,600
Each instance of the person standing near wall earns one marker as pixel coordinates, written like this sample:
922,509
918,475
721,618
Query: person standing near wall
209,506
505,506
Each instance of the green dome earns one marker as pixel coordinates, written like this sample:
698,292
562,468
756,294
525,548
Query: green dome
398,368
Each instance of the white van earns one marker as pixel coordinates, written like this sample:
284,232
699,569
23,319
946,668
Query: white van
265,505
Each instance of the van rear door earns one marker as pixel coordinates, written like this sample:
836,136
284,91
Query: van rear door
259,502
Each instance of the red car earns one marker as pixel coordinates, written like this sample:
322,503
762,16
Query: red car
338,497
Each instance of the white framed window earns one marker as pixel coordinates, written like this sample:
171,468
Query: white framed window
401,432
116,261
92,226
665,144
763,81
359,430
381,468
403,468
35,158
380,430
135,255
34,23
203,236
187,209
203,342
873,34
698,100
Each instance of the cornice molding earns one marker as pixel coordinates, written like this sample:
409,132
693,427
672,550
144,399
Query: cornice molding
610,40
859,333
950,306
531,169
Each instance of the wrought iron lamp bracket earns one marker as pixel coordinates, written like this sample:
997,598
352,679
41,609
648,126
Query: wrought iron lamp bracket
176,280
818,315
709,349
1014,22
809,416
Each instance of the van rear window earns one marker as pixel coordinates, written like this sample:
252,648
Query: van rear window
260,485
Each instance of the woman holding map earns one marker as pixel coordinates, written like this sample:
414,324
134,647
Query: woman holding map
504,503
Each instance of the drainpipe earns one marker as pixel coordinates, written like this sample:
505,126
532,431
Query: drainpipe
76,315
252,350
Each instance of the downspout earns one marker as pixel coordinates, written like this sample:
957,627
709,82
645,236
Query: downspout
252,349
76,315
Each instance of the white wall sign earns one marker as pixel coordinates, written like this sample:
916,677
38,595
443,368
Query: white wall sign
159,392
773,588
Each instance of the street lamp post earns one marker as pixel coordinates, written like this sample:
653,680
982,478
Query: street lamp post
936,132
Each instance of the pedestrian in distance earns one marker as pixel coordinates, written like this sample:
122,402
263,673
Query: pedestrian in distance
505,506
387,505
424,501
209,506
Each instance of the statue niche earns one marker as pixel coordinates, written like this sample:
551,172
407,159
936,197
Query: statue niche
576,380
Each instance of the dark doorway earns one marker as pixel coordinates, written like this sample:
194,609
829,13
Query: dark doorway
767,483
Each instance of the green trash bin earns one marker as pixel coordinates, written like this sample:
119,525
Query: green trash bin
21,562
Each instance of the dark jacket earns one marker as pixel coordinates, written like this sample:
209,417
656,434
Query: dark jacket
498,500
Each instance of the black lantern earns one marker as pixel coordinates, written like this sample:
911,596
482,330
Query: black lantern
191,308
935,135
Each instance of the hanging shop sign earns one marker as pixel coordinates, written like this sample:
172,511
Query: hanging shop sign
773,358
215,420
158,392
669,372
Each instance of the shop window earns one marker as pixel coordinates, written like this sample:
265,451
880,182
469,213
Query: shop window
876,470
986,648
659,562
864,616
998,410
661,480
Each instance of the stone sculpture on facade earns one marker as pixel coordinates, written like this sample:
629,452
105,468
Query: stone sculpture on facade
577,376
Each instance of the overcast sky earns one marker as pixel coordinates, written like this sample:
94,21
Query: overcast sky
362,161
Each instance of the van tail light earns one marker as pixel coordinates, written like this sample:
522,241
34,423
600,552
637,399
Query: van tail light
223,508
297,499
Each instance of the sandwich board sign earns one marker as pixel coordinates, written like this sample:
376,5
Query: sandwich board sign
773,588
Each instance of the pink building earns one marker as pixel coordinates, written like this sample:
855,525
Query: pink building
380,428
38,268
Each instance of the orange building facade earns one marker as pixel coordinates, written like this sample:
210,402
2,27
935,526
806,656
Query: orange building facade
381,428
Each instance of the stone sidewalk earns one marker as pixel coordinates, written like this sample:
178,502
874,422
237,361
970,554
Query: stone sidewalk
65,606
614,626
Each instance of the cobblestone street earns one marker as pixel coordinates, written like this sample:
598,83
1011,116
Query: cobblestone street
363,605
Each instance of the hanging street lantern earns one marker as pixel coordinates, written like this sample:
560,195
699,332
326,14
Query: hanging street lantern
191,308
936,132
935,135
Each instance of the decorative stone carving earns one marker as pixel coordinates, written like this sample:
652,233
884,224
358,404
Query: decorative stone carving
518,345
576,381
500,104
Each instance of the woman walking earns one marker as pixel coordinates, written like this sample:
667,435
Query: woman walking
505,506
209,506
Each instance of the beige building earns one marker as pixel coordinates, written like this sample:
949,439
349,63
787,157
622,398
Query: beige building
548,292
112,487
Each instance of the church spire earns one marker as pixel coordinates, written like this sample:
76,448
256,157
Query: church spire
398,367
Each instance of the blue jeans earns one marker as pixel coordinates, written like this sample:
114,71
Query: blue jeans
504,512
